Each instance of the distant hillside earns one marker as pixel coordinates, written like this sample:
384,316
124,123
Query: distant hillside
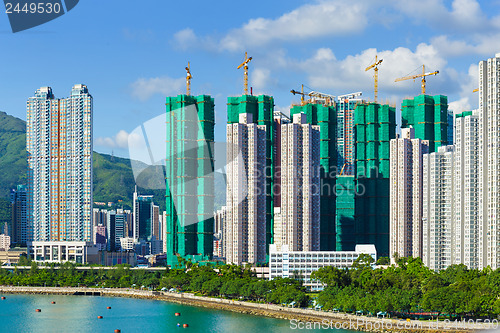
113,177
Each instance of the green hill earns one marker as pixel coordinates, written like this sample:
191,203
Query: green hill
113,176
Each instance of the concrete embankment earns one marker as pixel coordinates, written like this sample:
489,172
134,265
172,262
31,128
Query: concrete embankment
299,318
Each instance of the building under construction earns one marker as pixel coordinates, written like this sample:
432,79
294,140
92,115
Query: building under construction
189,178
326,117
375,126
428,115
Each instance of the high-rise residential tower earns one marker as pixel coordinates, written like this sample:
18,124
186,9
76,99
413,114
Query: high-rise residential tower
489,163
190,177
438,209
324,116
300,186
406,194
375,126
246,198
466,227
59,146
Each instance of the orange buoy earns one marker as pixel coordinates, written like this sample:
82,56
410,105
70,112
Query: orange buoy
99,317
38,310
185,325
177,314
108,307
3,297
53,302
117,331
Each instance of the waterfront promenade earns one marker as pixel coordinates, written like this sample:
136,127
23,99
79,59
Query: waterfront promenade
296,315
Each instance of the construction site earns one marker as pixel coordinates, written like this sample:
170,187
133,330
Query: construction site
354,148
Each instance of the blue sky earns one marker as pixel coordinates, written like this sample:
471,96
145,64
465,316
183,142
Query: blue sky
131,54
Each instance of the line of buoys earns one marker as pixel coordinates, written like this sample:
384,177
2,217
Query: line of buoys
99,317
108,307
38,310
185,325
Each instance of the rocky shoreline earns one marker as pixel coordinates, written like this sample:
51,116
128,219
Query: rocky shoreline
299,318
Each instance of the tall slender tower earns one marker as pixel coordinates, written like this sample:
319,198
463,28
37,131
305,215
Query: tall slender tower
190,177
300,186
466,235
59,146
406,185
489,164
438,209
246,198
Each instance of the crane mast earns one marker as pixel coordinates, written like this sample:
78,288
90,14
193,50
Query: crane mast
188,80
375,75
244,64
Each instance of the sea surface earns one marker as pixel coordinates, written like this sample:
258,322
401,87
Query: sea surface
79,314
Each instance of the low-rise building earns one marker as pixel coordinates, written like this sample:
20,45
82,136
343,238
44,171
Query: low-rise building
4,242
300,264
61,251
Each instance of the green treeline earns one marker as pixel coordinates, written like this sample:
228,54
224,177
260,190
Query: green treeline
410,287
228,281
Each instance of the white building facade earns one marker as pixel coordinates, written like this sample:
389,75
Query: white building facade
406,194
438,209
466,223
245,227
300,264
298,225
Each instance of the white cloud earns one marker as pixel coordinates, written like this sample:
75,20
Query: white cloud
185,38
347,75
120,140
459,106
260,78
144,88
324,18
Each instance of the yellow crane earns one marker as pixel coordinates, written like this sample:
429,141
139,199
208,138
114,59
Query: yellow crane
301,93
475,90
413,77
188,80
244,64
375,68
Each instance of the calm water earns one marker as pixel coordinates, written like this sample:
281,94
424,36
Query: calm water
79,314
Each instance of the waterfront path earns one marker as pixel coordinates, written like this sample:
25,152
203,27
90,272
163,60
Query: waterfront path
299,317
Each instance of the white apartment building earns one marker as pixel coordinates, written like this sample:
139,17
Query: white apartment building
489,163
245,227
4,242
298,225
438,208
301,264
62,251
59,146
466,227
406,194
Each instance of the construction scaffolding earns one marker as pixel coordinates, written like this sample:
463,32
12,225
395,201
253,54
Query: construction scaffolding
428,115
189,177
375,126
344,217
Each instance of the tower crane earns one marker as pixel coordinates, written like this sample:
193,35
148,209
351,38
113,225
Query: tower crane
244,64
413,77
188,80
375,68
329,99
